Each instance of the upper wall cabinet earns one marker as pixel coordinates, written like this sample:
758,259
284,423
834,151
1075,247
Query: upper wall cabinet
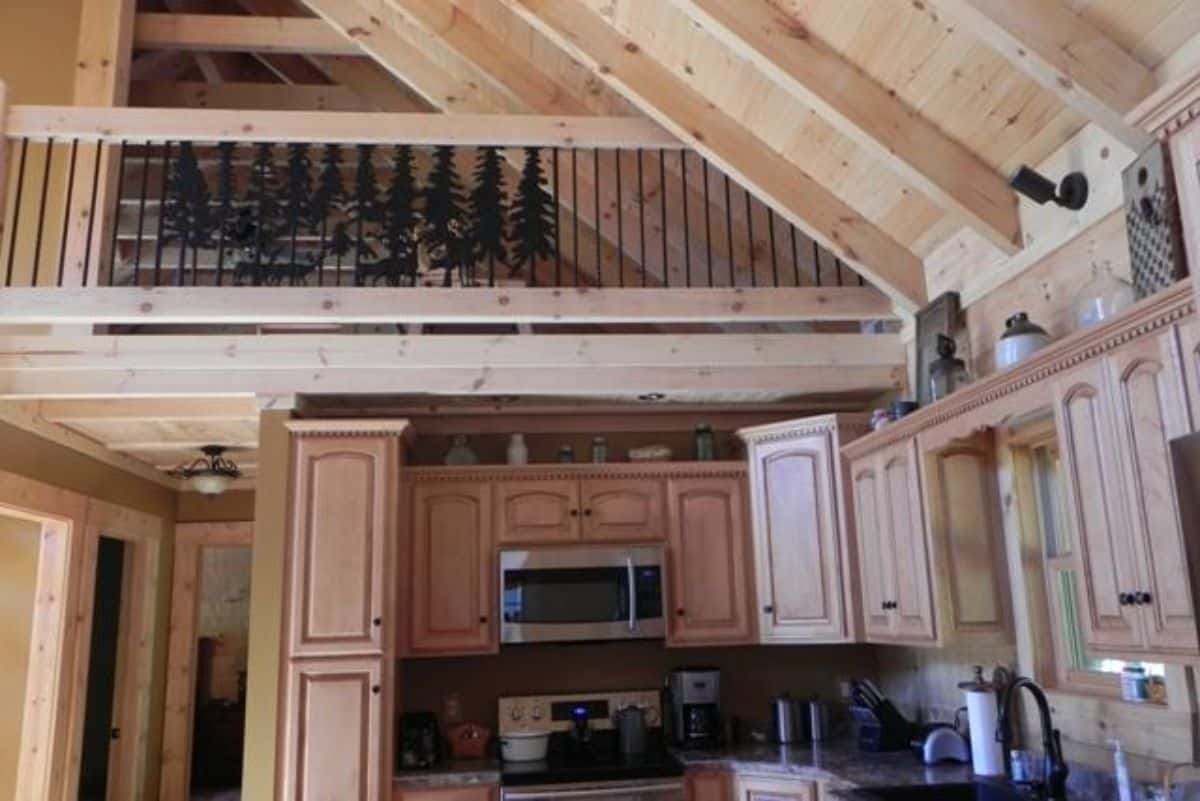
342,512
617,509
451,602
539,511
709,556
803,543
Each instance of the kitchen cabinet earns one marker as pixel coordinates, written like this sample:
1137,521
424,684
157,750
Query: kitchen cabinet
893,553
466,792
341,532
1116,417
802,539
963,503
537,511
452,600
332,738
623,509
547,511
708,558
707,785
761,788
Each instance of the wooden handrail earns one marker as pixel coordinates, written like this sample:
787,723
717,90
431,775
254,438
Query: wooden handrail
3,159
89,124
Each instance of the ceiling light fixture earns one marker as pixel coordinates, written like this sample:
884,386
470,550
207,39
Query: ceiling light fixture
1071,194
211,474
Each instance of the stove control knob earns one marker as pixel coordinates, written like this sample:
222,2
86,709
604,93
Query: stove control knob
536,712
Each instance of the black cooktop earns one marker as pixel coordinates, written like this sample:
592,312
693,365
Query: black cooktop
570,761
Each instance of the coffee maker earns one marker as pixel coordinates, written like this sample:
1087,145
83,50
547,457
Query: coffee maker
695,695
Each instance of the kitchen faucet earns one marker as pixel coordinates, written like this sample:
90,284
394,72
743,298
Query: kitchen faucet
1055,786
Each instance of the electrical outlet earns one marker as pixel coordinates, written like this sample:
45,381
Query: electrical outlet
452,708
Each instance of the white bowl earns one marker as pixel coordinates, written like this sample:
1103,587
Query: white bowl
524,746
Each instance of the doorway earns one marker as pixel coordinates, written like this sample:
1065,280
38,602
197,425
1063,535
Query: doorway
99,727
20,541
204,727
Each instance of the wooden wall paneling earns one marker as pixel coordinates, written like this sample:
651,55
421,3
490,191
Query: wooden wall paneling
623,510
179,706
332,737
1095,507
537,511
875,557
707,785
1189,358
452,603
1150,410
339,544
473,792
763,788
1185,158
963,507
708,562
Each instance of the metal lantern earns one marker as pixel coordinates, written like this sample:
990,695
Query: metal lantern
212,473
947,372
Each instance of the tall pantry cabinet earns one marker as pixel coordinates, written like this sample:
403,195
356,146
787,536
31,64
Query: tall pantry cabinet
338,644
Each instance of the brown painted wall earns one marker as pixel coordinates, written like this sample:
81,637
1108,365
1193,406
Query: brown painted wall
750,675
19,541
232,507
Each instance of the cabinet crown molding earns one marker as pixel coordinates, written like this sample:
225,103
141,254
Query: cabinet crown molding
1151,314
791,429
348,428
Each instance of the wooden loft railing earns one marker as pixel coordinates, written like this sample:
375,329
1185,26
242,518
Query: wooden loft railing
347,217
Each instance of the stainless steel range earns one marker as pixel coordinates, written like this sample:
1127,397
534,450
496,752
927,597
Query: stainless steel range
585,759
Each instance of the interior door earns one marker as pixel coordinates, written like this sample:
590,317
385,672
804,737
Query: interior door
913,615
536,512
874,548
797,550
452,597
708,553
1096,510
1150,403
623,510
341,517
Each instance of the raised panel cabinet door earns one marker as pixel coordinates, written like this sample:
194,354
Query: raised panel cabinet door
1150,411
707,785
796,544
341,529
755,788
874,548
964,507
709,591
912,601
536,512
1189,351
451,605
623,510
1096,509
333,738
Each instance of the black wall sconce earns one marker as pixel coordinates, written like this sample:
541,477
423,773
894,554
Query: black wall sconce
1071,194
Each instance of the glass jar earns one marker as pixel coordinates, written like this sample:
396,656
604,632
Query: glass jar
1102,298
705,449
1135,684
599,450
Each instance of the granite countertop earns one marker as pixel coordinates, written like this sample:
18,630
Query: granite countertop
451,773
840,764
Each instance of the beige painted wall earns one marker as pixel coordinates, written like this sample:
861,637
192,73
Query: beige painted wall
19,540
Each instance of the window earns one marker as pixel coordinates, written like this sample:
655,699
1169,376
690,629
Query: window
1069,665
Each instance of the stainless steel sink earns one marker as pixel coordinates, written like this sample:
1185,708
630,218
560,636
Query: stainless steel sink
960,791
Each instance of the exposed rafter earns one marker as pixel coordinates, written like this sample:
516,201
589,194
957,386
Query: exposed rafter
239,34
726,142
1064,53
865,112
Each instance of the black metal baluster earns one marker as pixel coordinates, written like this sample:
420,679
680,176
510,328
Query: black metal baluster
162,203
795,257
707,225
116,222
729,230
87,253
687,232
837,265
620,222
662,192
557,226
774,254
141,225
575,212
750,232
16,218
599,215
41,218
66,223
642,212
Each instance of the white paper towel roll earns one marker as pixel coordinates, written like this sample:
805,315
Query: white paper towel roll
987,757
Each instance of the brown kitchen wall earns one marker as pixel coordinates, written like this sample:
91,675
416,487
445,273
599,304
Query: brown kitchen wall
19,542
543,448
750,676
231,507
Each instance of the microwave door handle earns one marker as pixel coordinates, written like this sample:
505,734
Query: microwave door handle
632,593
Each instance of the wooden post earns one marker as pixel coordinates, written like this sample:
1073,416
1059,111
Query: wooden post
101,79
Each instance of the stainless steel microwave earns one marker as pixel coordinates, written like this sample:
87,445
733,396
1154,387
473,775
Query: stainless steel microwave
581,592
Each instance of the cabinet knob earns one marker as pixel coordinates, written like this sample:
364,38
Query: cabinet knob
587,512
768,610
574,513
1143,599
376,689
1126,599
377,622
483,618
679,611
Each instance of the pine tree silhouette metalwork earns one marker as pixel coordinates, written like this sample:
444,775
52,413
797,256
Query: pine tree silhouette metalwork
533,217
400,222
446,229
364,215
187,214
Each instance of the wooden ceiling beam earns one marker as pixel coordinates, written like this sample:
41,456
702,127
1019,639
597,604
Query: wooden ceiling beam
238,33
1065,54
240,408
725,141
866,112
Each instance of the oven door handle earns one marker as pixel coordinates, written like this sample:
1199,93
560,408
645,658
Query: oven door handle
598,792
632,593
